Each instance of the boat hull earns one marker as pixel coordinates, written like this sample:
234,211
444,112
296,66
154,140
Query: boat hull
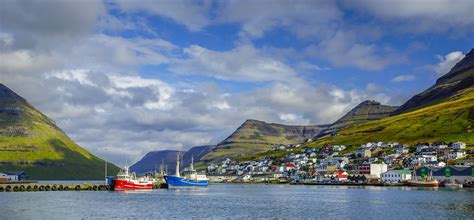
468,185
127,185
423,183
174,181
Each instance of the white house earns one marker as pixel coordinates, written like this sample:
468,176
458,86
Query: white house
456,155
459,145
338,147
396,176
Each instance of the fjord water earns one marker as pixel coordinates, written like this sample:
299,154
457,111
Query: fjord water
239,201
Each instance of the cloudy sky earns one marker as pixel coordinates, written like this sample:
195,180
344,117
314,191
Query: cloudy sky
126,77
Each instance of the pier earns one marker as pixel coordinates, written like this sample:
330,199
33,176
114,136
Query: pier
34,187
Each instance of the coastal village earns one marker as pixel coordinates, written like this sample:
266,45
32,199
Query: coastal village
371,163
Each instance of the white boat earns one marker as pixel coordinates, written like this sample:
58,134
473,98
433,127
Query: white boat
453,185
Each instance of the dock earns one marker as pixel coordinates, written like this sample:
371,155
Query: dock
34,187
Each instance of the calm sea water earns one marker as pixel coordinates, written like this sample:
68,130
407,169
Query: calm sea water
238,201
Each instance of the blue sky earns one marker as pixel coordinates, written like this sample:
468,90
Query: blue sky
128,77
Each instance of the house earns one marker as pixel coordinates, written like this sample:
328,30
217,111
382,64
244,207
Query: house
453,155
401,150
341,175
466,162
420,147
13,176
339,147
366,153
459,145
422,159
435,164
396,176
364,168
378,169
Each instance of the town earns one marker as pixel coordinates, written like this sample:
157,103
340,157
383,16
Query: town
370,163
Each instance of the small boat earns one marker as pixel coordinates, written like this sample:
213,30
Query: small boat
129,181
427,182
468,185
191,178
452,185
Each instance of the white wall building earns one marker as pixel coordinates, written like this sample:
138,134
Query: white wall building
378,169
396,176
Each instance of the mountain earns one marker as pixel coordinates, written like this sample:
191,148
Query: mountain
364,112
153,160
460,77
444,112
32,142
256,136
167,158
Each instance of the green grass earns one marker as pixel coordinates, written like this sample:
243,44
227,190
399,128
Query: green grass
43,150
449,121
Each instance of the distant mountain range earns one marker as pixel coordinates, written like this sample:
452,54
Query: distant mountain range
166,159
443,112
32,142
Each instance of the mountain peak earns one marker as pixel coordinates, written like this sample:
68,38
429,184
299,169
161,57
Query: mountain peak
366,111
6,94
368,103
455,73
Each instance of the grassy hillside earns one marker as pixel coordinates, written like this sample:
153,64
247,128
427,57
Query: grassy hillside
256,136
32,142
452,120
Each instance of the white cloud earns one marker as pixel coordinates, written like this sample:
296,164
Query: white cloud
342,49
244,63
193,14
422,15
403,78
447,62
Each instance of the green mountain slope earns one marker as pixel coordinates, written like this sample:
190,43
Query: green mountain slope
364,112
452,120
460,77
32,142
256,136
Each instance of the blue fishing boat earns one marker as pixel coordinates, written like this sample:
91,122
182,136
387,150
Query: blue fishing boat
190,177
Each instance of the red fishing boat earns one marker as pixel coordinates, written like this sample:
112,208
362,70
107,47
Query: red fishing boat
129,181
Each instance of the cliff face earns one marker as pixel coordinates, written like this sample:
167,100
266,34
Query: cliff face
459,78
32,142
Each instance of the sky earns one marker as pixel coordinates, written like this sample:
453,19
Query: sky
123,78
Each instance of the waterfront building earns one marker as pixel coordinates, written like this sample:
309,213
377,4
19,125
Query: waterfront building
461,174
13,176
396,176
378,169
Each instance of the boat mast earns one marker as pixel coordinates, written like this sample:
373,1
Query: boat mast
105,171
192,162
177,165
